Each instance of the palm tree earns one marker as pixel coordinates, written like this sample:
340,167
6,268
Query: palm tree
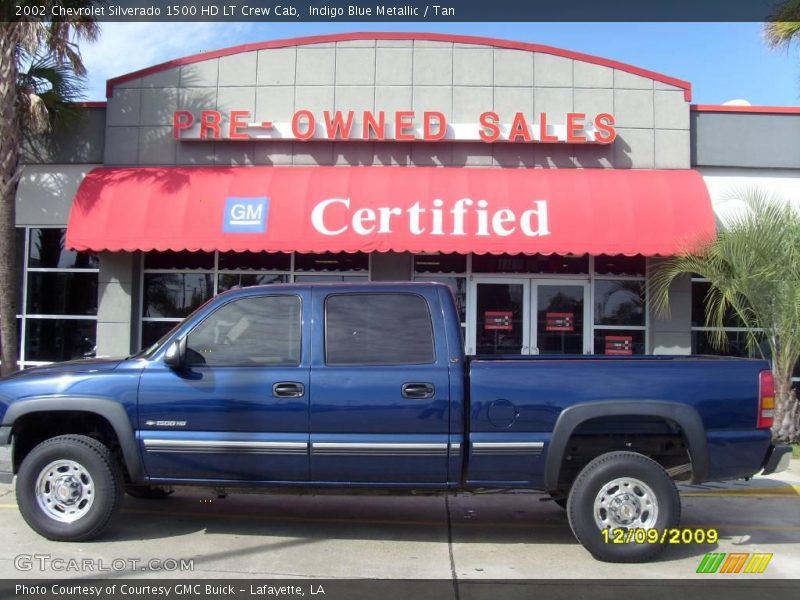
753,266
40,72
784,25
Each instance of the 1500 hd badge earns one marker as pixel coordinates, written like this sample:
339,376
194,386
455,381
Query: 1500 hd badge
165,423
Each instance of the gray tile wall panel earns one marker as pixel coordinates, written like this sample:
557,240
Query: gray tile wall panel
590,75
316,66
124,107
513,67
470,102
393,66
473,66
552,71
122,146
355,66
156,146
274,103
277,66
238,69
672,149
200,74
433,66
634,108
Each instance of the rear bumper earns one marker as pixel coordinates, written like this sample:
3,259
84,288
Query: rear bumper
778,459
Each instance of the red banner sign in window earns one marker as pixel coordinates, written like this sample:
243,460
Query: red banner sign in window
498,319
619,344
559,321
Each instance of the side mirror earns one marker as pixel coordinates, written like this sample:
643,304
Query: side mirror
175,357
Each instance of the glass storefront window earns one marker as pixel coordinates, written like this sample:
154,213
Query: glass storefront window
634,266
51,340
58,318
736,346
178,260
176,283
153,330
62,293
699,292
175,294
619,302
535,263
228,281
46,251
330,261
619,342
255,261
440,263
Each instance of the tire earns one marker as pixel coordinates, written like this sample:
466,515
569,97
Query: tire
147,492
641,495
69,487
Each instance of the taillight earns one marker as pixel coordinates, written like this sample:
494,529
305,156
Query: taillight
766,399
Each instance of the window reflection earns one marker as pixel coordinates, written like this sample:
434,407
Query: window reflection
619,302
175,294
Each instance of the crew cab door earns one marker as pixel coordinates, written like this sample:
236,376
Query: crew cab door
238,409
380,388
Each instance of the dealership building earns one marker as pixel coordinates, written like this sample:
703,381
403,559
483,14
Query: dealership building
541,184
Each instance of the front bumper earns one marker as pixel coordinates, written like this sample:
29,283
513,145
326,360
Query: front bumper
778,459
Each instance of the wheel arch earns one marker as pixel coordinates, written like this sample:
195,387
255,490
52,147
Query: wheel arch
572,417
111,411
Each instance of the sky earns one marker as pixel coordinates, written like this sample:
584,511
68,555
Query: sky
723,61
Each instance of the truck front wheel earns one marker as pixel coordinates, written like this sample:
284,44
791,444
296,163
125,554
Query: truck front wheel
615,500
69,487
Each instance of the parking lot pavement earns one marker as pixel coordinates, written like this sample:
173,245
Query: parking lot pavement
465,536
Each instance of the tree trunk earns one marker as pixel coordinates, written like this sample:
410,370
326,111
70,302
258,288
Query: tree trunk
786,426
9,176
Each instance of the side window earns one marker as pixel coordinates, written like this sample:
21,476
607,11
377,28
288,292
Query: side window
378,329
262,330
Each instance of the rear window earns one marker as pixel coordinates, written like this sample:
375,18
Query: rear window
378,329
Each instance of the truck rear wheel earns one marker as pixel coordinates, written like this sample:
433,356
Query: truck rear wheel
69,487
622,491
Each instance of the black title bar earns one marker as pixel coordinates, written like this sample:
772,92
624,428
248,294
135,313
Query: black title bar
433,11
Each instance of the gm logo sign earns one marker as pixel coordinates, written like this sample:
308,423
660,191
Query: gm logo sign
245,215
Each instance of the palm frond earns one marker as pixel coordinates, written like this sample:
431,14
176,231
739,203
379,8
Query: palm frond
753,267
47,90
783,27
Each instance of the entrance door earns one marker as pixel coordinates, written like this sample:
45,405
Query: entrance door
500,315
528,316
560,315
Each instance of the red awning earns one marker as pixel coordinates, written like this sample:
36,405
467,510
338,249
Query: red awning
415,209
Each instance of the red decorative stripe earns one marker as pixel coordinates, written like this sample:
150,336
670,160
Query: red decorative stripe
767,110
396,35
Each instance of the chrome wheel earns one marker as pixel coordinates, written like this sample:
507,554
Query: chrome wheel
627,503
65,490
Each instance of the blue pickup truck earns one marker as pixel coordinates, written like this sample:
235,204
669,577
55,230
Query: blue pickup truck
366,386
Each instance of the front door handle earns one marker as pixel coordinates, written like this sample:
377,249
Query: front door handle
288,389
418,391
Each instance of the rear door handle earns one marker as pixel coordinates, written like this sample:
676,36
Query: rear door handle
288,389
418,391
